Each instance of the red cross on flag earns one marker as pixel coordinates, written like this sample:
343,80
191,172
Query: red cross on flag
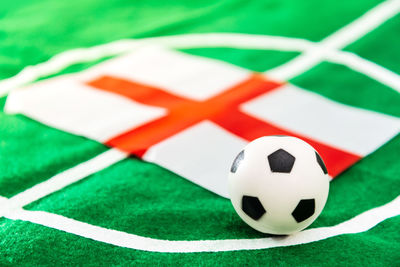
192,115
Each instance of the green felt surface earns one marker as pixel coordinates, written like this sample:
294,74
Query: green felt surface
140,198
32,152
380,45
56,26
255,60
341,84
147,200
44,246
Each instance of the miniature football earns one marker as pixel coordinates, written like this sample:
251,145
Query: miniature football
278,184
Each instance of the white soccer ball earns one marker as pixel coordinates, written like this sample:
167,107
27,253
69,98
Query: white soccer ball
278,184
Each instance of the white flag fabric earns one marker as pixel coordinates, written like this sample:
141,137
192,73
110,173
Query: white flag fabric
192,115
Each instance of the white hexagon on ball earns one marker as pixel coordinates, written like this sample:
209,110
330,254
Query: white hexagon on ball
278,184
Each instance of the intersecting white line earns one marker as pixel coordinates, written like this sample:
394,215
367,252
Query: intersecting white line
339,39
361,223
232,40
313,53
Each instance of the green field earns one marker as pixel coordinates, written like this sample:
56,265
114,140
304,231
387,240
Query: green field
144,199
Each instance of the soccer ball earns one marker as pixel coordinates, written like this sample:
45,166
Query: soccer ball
278,184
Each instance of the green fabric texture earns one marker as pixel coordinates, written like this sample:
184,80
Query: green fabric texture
32,153
149,194
376,247
254,60
327,78
375,45
147,200
58,26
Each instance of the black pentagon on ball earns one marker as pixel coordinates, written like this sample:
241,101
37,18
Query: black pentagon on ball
252,207
304,210
281,161
237,161
321,163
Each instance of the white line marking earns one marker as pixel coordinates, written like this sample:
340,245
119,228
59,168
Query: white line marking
296,66
366,67
313,54
63,179
80,55
363,25
361,223
339,39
